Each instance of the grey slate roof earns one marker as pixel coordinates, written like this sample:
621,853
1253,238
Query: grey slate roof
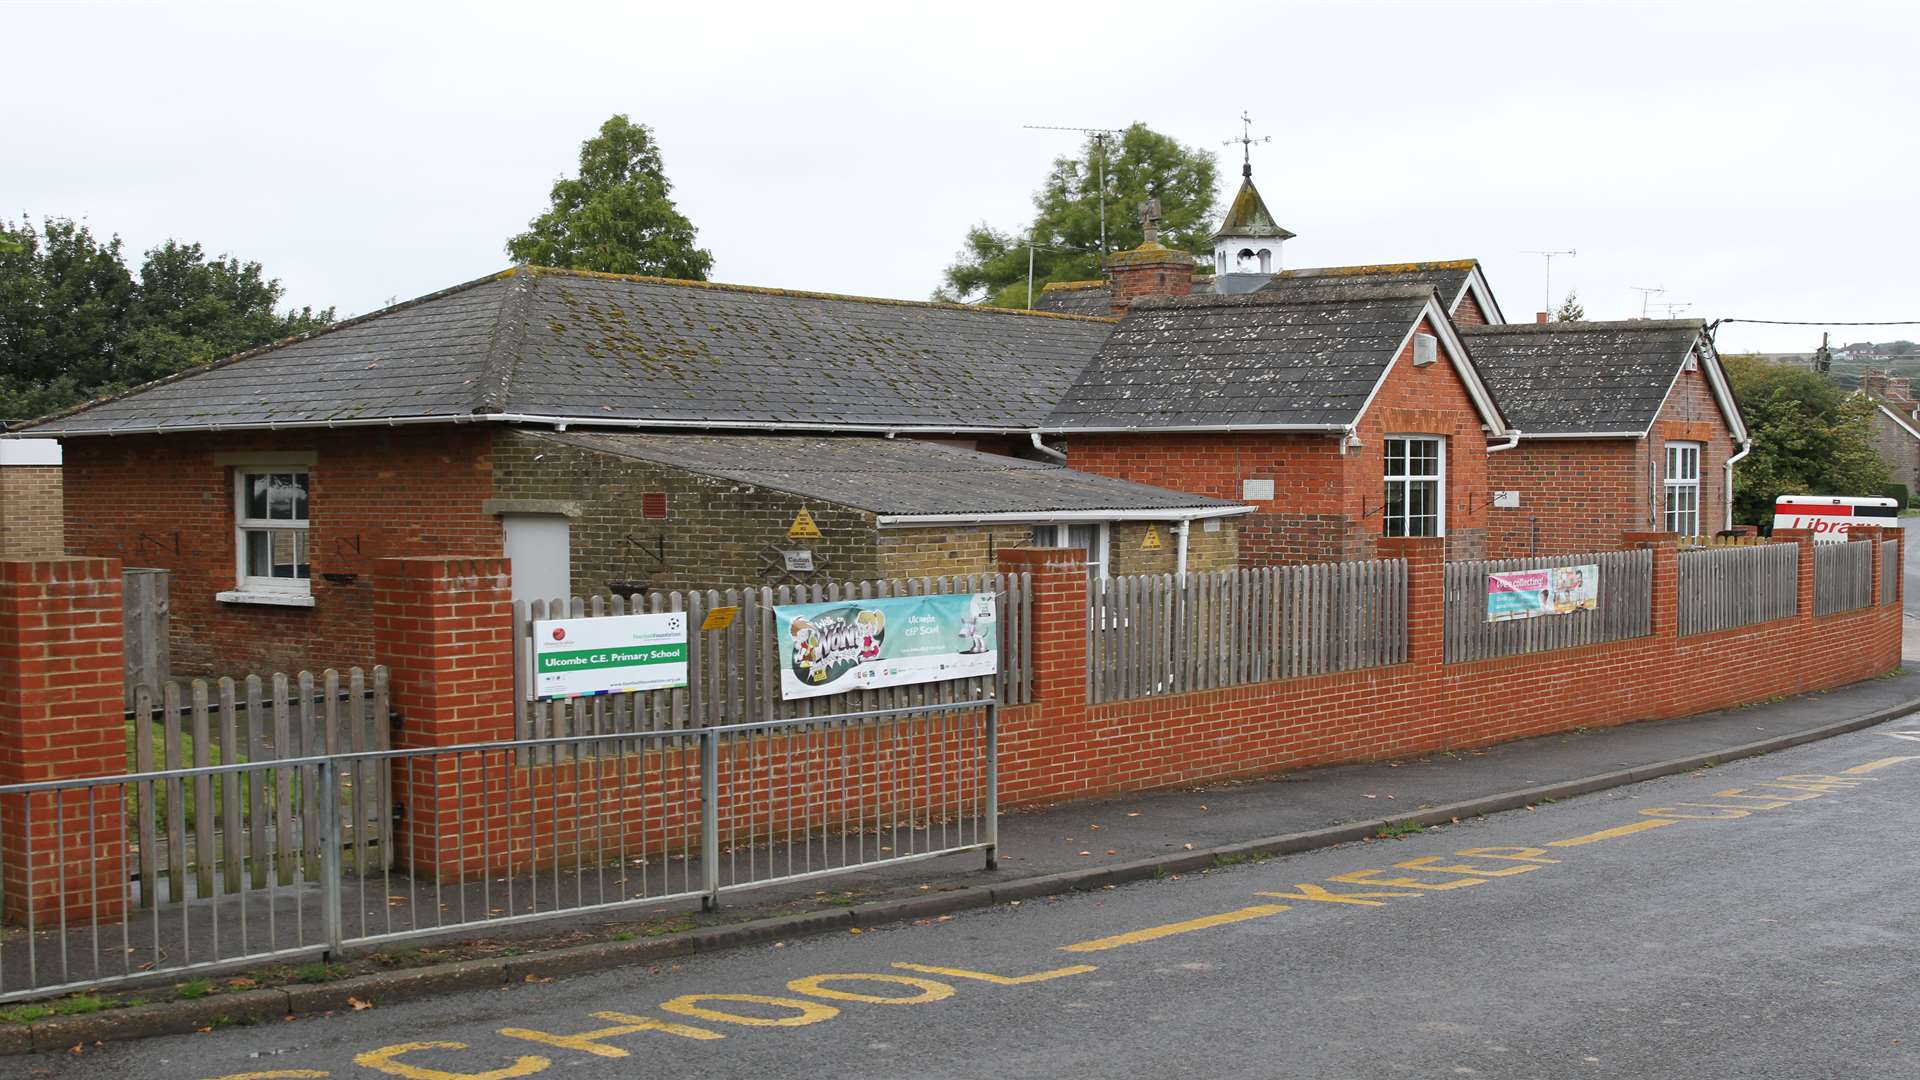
1562,378
1446,278
545,342
1090,299
889,476
1308,359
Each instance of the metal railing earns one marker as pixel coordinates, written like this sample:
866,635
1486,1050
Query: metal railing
491,834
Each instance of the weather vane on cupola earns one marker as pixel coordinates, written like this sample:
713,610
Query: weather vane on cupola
1246,141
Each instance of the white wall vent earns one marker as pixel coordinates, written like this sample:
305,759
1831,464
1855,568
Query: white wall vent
1426,349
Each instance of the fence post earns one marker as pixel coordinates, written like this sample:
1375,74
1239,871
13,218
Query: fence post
443,626
710,819
328,780
61,702
1426,594
993,785
1803,602
1664,615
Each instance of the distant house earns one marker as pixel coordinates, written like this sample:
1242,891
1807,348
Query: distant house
1623,426
605,432
1896,426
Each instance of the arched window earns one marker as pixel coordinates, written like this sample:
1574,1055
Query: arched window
1243,262
1219,261
1266,261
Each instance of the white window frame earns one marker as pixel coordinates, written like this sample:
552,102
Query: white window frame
1054,534
252,588
1407,480
1671,486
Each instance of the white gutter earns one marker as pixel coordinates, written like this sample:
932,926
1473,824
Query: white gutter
1045,449
1745,449
1214,429
1513,440
1583,435
1043,517
1349,441
53,431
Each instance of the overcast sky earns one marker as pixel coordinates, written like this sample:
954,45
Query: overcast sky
1756,160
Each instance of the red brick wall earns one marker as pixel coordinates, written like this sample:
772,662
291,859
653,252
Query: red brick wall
60,699
1326,506
1575,495
1690,414
164,501
1469,313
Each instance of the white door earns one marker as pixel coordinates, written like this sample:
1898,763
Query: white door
538,546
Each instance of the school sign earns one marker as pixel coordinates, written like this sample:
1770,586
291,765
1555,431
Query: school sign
614,655
835,647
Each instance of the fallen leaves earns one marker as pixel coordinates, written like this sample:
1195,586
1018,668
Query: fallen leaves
362,1006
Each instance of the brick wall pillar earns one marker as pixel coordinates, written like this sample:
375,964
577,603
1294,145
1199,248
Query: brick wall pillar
1059,621
443,625
1426,594
1803,537
1875,534
1666,579
61,702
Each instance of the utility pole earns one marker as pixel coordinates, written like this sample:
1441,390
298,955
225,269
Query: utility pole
1548,256
1647,292
1100,137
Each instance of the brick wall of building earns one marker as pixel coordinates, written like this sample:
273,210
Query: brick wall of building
31,521
717,534
1575,495
167,502
1690,414
942,550
1326,506
1468,313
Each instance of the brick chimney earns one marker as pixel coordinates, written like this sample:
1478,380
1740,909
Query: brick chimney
1541,317
1152,269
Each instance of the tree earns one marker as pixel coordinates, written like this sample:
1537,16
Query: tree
74,324
1810,437
1570,308
616,216
1140,164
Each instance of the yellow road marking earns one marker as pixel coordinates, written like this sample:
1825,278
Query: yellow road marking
1881,764
1188,926
1611,834
1426,862
1517,854
382,1061
1324,896
590,1042
929,991
805,1012
278,1074
997,980
1368,877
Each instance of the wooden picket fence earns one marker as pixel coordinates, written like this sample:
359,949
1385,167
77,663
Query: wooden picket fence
1153,634
1890,571
247,829
1624,609
147,612
1693,543
1842,576
734,674
1721,588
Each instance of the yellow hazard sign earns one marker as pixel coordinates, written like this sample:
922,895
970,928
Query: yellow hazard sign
1151,542
803,527
720,618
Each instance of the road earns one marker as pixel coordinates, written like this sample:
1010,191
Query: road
1756,920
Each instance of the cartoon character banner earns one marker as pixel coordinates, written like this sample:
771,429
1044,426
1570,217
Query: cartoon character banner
1527,594
847,645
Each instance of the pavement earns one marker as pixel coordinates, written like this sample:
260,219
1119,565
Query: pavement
1751,919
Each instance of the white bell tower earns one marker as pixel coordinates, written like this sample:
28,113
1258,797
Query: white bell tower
1248,241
